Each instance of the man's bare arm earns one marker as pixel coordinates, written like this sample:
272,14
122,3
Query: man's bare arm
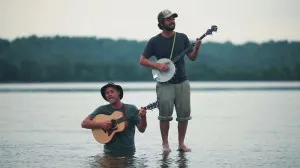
142,125
193,55
88,123
146,62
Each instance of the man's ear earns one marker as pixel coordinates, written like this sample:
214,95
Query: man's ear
160,25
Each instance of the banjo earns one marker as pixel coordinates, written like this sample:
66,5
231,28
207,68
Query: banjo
165,76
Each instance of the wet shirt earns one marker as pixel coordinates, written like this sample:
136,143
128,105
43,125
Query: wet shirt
161,47
123,142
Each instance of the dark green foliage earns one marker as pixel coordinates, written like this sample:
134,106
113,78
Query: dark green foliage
79,59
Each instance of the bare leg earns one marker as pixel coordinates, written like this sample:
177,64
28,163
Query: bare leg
164,130
182,127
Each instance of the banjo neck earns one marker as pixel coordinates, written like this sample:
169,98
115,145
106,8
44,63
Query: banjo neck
182,54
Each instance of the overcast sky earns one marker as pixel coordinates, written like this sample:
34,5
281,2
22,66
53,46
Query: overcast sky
239,21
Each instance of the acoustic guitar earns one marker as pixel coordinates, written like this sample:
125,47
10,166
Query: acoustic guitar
165,76
118,120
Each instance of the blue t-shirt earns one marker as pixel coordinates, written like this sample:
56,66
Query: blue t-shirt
123,142
161,47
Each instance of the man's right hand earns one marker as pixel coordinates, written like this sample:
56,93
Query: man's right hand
106,124
162,67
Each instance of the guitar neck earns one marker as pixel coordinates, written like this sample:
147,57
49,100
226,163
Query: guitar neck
149,107
122,119
182,54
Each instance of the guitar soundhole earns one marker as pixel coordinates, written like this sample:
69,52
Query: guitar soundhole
113,123
109,131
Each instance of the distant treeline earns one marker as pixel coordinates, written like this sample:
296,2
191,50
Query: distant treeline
89,59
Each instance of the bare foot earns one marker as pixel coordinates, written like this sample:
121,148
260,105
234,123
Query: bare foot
166,148
184,148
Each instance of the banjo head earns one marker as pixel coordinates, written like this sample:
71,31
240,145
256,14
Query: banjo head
164,76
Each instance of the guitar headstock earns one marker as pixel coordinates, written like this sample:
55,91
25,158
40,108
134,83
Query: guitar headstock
213,28
152,106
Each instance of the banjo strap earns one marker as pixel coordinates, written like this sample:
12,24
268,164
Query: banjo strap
173,46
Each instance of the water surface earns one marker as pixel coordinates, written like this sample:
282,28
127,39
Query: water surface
229,128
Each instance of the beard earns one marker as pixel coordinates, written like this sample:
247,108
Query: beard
169,27
111,100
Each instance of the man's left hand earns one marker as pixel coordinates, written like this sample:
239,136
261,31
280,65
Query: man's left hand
197,43
143,112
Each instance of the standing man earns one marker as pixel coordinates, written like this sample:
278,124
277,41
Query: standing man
123,143
166,44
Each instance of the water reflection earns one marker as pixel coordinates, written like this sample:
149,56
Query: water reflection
110,161
166,160
180,160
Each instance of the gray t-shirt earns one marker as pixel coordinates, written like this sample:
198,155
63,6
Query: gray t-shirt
161,47
123,141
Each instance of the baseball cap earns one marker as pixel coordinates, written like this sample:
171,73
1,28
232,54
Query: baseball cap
165,14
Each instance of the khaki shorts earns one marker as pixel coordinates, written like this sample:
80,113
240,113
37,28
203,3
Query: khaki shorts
170,95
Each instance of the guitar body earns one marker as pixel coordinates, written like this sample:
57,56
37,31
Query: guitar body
118,120
167,75
103,136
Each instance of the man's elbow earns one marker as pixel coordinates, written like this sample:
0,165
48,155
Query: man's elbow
84,124
142,130
192,58
141,61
